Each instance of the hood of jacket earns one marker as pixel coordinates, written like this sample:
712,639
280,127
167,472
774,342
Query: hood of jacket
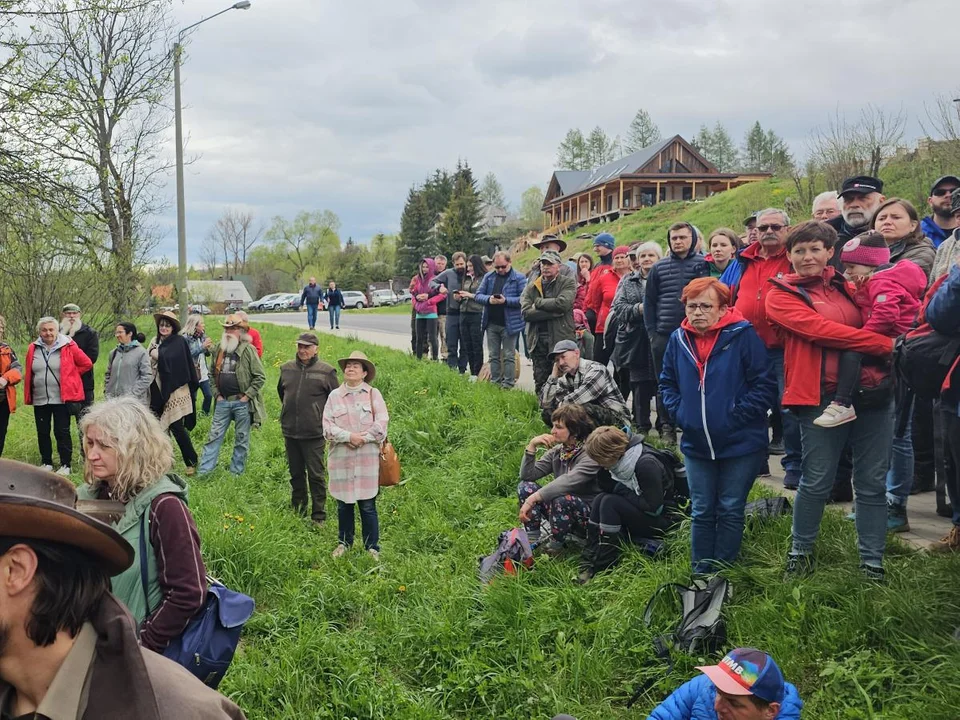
60,342
933,231
907,274
431,269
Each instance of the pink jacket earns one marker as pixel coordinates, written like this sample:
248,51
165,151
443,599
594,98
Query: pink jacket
421,284
890,300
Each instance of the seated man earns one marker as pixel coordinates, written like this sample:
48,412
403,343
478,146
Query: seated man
746,685
575,381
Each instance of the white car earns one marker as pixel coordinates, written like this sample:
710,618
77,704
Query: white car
354,299
383,297
281,302
258,304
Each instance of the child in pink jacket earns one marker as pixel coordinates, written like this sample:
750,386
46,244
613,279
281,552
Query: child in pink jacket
889,299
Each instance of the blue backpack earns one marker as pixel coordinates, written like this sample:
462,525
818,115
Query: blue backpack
207,645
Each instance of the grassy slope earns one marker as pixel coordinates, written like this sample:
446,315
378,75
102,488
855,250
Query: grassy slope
727,209
419,638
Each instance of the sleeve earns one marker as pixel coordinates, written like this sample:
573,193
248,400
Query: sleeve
106,374
258,377
280,387
94,347
514,300
595,384
649,473
482,295
81,360
196,347
668,382
795,316
943,310
303,296
257,343
144,375
760,380
885,312
331,431
532,469
594,294
527,309
650,298
679,705
562,304
548,394
924,257
621,309
377,432
580,477
180,572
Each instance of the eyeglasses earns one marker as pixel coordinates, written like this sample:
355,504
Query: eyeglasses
940,192
702,307
774,227
500,267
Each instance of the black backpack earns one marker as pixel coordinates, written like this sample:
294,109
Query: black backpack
926,361
675,469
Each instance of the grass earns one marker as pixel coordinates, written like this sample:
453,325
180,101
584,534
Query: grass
417,637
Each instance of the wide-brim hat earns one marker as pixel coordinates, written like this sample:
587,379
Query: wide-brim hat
357,356
550,239
235,321
36,504
168,315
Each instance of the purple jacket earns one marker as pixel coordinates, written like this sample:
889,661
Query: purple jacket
421,284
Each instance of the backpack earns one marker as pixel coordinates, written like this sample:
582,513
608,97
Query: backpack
675,469
766,508
207,645
513,550
702,629
926,361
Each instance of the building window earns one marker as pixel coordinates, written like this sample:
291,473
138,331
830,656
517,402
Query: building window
687,192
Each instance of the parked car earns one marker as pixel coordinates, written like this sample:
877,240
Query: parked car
199,309
383,297
404,296
292,303
257,305
282,301
355,299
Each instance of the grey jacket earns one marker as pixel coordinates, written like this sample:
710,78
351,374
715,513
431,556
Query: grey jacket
548,312
452,281
920,252
948,254
576,477
129,373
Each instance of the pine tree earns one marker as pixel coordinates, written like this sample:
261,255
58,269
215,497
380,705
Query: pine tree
491,192
704,143
415,225
754,143
643,132
724,151
572,153
459,227
600,148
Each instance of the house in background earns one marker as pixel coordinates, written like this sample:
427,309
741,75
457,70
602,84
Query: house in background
666,171
218,294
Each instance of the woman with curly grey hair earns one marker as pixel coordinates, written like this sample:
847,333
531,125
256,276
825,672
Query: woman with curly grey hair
128,460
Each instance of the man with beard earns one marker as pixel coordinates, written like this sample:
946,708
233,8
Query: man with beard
575,381
88,341
451,280
547,307
860,197
68,648
941,224
238,376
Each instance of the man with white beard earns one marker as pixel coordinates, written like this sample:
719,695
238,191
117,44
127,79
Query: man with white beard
88,341
859,199
238,376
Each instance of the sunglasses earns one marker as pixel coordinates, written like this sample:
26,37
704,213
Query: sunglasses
940,192
774,227
500,267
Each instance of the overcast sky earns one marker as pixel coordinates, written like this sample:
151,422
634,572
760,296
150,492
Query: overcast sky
321,104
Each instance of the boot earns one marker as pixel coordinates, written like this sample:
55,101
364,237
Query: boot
608,551
897,518
588,555
949,542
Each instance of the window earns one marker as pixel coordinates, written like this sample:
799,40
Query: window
688,192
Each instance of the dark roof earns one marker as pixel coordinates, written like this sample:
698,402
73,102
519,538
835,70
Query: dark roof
624,166
571,180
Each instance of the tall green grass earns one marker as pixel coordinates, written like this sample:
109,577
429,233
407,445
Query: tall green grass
418,637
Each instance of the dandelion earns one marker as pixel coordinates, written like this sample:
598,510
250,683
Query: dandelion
402,588
226,527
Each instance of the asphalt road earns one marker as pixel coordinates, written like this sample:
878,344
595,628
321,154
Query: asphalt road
349,320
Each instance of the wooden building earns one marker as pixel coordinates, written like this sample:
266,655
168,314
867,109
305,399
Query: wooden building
667,171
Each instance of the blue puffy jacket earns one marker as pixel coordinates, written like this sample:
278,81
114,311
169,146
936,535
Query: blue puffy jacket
512,290
694,701
943,314
662,310
933,231
725,414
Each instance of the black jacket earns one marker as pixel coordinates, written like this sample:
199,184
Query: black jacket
844,232
662,311
175,367
87,340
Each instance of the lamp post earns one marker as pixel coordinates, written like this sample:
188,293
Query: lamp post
178,115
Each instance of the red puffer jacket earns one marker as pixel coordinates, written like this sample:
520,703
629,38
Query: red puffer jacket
73,363
600,292
816,318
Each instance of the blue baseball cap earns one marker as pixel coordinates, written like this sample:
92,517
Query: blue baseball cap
605,240
746,671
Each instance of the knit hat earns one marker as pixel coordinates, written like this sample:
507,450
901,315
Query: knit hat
621,250
868,249
605,240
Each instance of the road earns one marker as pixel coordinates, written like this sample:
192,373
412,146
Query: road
349,320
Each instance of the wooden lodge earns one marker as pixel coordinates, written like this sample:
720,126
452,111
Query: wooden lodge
667,171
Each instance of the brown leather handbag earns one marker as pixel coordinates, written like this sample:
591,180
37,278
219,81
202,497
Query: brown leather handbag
389,465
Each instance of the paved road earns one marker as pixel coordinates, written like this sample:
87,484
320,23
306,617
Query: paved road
349,320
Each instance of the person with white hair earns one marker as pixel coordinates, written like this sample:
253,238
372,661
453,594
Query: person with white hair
194,330
826,206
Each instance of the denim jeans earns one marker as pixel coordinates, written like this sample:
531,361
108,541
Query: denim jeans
502,344
792,444
311,316
718,494
369,523
456,357
334,312
207,396
900,474
950,445
223,413
870,437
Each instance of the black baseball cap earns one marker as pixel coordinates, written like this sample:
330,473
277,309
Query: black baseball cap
862,184
946,178
752,217
955,201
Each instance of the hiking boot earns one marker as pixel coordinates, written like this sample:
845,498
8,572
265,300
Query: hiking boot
922,484
797,566
897,518
945,511
949,542
834,415
553,548
585,576
776,448
791,479
873,573
669,437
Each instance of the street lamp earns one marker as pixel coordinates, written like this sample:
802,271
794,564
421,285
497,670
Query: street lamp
178,114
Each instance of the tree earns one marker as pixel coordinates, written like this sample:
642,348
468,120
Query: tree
643,132
716,146
573,153
491,192
383,249
530,203
460,223
844,149
415,225
309,238
765,151
85,106
235,234
600,148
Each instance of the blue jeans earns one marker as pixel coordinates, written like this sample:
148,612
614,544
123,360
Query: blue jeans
500,343
791,427
207,396
311,316
223,413
870,437
456,357
334,311
900,474
718,494
369,523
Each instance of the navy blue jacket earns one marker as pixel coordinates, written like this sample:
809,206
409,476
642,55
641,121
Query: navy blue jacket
662,311
694,701
725,415
333,297
943,314
311,295
512,290
933,231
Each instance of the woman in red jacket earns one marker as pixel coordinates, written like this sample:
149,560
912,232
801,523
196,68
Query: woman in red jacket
54,366
815,314
10,375
603,288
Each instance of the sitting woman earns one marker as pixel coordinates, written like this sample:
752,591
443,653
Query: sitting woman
635,502
565,501
128,458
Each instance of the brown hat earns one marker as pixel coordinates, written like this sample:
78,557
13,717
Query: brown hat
357,356
36,504
234,320
307,338
168,315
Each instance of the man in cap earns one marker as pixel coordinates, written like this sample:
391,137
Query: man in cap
576,381
487,262
238,377
305,383
68,647
750,228
826,206
942,222
547,308
860,197
745,685
88,341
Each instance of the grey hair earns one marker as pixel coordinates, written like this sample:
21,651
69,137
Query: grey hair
774,211
647,246
46,320
826,195
144,452
502,254
190,326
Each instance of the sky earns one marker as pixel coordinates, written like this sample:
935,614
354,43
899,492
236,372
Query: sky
326,104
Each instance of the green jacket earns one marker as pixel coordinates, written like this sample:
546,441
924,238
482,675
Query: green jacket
303,391
250,376
128,585
548,311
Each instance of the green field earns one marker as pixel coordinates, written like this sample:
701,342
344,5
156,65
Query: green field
417,636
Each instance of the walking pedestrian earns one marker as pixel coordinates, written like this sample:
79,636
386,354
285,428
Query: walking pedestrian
334,302
312,297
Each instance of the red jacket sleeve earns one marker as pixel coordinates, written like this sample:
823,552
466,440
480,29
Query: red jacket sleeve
793,315
80,358
256,341
180,571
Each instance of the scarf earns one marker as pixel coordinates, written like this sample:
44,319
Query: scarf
623,471
567,454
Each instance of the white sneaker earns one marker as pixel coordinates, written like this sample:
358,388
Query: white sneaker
49,468
64,470
340,551
834,415
375,554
